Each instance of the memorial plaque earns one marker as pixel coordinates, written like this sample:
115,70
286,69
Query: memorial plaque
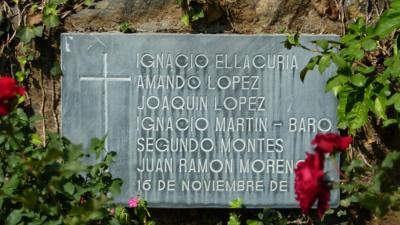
197,120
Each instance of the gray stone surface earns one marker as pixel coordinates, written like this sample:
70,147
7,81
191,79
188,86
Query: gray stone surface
102,94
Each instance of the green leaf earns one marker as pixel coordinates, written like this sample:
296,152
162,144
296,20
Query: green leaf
358,80
73,167
389,122
114,221
341,213
51,7
395,100
74,153
390,160
38,31
57,2
115,187
388,22
338,60
358,26
294,39
358,54
365,69
345,203
310,66
233,219
324,63
236,203
69,188
14,217
25,34
97,146
185,20
354,164
21,76
324,44
51,21
368,44
55,70
254,222
197,14
88,2
335,83
380,107
36,140
341,109
358,116
22,60
303,74
348,37
10,185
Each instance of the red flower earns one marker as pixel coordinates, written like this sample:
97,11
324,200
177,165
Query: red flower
8,93
309,185
327,143
323,200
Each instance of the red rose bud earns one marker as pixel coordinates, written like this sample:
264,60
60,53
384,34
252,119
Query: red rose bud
327,143
8,94
309,184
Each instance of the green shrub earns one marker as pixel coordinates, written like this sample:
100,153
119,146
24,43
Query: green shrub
50,184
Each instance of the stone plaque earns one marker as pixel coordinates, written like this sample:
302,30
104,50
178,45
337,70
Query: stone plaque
197,120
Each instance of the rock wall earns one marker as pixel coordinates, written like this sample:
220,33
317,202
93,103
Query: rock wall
237,16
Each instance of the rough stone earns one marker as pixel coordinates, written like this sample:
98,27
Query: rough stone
142,15
244,16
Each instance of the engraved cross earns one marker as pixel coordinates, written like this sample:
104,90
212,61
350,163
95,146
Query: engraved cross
105,79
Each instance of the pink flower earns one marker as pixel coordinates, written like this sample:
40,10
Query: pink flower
327,143
133,202
112,211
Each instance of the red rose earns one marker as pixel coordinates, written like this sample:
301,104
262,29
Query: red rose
309,185
323,200
8,93
327,143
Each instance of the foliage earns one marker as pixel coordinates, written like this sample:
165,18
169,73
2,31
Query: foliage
50,184
381,193
267,217
124,27
134,215
366,84
26,23
54,183
29,47
367,77
193,11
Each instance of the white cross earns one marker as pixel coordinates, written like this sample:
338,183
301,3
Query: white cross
105,79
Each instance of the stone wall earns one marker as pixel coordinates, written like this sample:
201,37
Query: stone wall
237,16
222,16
